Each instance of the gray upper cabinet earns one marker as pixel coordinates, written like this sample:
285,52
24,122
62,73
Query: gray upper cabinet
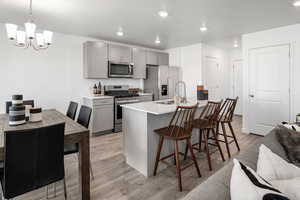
157,58
152,58
119,54
139,60
163,59
95,60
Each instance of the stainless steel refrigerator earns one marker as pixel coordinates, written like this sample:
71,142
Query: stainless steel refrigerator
161,81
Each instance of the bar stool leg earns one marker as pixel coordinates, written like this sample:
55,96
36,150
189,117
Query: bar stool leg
193,157
218,144
200,139
178,167
226,139
186,151
218,129
233,135
207,149
161,141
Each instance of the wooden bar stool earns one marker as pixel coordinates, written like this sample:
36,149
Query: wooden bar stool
225,117
180,128
207,123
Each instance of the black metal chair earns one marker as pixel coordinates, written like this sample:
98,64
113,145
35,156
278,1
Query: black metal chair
72,109
33,159
25,102
83,119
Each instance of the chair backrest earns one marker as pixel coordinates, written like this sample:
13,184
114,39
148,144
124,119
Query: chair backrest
51,154
84,116
72,109
211,111
33,158
181,124
227,109
25,102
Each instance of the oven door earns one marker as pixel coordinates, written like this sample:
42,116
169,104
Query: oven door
120,70
118,109
119,112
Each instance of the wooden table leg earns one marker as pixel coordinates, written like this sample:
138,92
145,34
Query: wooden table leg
84,166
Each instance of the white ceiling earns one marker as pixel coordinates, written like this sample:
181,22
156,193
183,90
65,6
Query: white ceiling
141,24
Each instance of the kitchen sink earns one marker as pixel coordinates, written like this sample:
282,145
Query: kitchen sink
166,102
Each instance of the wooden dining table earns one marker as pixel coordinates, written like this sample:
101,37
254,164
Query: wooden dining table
74,133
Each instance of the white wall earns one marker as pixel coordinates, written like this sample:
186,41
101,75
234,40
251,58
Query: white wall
191,62
282,35
52,77
190,59
223,58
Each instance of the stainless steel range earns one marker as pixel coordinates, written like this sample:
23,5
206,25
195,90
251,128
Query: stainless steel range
122,96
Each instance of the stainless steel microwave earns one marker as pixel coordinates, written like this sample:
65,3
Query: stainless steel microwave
120,70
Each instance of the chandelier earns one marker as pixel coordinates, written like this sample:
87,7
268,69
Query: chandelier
28,37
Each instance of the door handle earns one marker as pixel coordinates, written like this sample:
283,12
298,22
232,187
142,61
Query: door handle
251,95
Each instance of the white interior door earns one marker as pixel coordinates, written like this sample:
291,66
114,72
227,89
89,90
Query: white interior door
269,87
211,78
237,85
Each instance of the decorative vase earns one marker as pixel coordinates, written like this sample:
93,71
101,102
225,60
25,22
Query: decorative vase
17,111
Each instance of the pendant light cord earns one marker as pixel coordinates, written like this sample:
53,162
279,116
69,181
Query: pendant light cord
30,10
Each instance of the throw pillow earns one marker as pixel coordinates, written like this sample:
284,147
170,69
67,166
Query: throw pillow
289,187
273,167
245,184
294,127
290,141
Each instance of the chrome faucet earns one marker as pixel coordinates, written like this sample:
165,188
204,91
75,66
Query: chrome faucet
183,98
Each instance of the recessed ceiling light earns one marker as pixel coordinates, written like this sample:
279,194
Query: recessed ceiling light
235,44
120,32
157,41
296,3
203,28
163,13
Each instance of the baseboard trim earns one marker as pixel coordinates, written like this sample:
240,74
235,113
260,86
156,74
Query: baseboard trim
245,130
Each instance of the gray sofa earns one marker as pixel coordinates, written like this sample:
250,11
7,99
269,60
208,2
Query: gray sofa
217,187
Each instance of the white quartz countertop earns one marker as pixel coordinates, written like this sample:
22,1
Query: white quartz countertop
99,97
154,107
145,94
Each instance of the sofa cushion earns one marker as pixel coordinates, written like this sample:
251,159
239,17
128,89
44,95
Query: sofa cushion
217,186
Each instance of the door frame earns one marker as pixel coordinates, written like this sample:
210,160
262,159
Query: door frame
232,80
246,74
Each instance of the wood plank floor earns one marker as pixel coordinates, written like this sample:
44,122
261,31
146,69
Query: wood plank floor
114,179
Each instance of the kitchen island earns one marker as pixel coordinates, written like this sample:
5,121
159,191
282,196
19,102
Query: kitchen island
140,141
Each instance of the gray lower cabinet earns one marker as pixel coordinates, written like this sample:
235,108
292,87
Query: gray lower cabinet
152,58
95,60
102,118
139,60
119,54
163,59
